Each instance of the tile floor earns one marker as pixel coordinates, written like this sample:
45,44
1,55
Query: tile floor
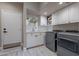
38,51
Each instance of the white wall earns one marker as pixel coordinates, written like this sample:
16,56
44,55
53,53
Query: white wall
17,7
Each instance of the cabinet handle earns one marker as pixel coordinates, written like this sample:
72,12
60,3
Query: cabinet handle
36,35
4,31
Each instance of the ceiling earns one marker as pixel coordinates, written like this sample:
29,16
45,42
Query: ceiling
32,12
50,7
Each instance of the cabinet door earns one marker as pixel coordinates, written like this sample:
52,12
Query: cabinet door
60,17
34,39
10,27
55,18
64,17
43,20
74,13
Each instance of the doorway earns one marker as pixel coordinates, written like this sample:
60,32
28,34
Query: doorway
11,29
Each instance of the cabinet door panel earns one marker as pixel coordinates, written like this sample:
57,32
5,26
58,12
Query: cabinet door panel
74,13
60,17
64,17
56,18
34,39
53,19
68,14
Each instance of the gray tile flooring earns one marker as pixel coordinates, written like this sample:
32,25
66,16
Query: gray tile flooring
38,51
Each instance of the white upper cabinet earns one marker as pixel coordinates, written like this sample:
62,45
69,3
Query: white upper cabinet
60,17
74,13
68,14
56,18
53,19
64,16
